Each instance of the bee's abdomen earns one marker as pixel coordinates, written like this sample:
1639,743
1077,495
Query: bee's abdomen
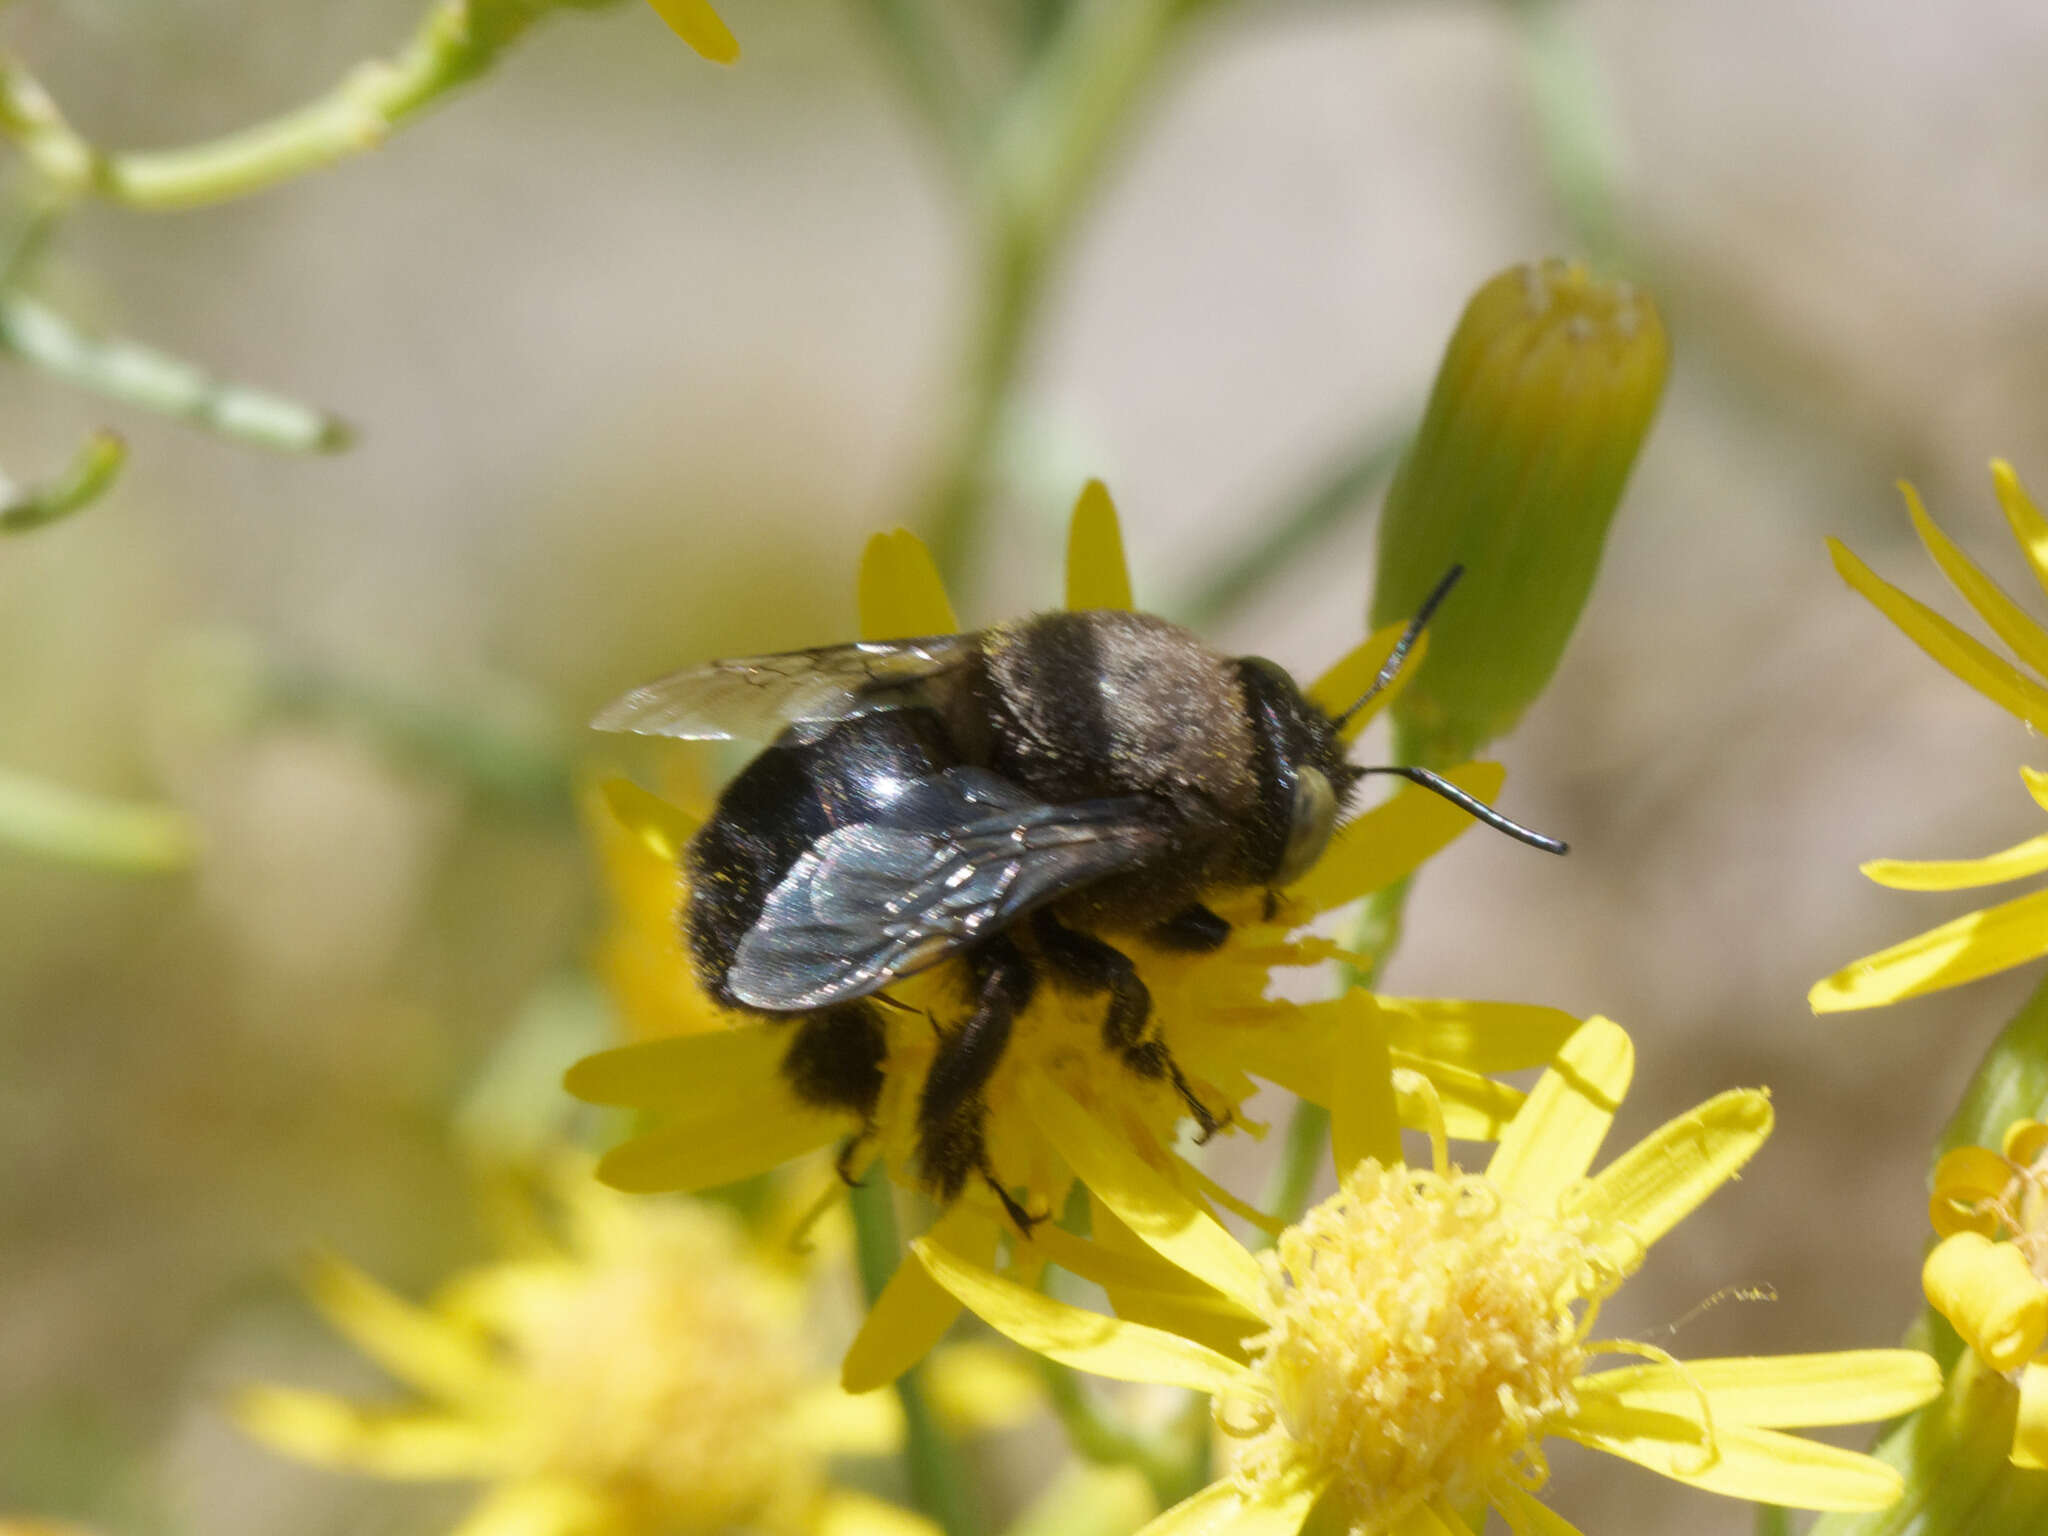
785,800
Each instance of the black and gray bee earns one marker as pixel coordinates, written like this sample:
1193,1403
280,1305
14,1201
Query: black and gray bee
1014,797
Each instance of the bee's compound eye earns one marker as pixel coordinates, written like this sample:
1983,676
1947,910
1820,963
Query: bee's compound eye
1312,819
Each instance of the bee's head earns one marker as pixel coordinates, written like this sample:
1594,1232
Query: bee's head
1303,779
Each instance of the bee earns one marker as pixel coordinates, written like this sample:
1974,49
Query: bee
1016,798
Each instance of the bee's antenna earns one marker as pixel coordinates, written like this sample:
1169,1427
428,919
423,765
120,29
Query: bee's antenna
1391,669
1479,808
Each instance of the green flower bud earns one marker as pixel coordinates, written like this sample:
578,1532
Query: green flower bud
1544,396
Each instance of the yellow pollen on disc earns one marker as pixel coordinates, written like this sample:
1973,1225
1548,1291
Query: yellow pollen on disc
1421,1335
664,1375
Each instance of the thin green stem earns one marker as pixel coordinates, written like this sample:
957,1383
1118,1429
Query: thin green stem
1576,126
73,827
938,1481
1045,157
456,41
91,473
141,376
930,73
1292,532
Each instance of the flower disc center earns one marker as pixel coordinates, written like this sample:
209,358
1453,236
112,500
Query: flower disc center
1421,1335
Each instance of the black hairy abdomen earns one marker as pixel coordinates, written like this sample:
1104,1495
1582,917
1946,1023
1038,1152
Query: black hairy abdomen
786,799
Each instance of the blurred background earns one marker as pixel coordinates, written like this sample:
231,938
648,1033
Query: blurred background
639,350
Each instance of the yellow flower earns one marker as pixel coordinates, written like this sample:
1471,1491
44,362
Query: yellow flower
2014,932
1395,1363
640,958
647,1370
726,1112
1989,1273
697,24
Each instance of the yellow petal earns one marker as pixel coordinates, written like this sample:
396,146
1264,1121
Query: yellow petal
901,594
1747,1463
1861,1386
698,25
1474,1108
1097,576
1964,1180
2007,619
665,829
2030,1430
537,1506
1968,658
842,1423
1088,1341
2014,863
1552,1141
1364,1121
1527,1515
689,1075
2024,517
1975,945
1275,1509
1662,1179
1142,1287
913,1312
1145,1198
1393,840
2025,1140
722,1147
421,1349
403,1443
1342,686
1481,1037
1986,1289
979,1385
847,1512
2037,785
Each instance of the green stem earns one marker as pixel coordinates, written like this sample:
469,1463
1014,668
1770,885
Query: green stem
142,376
1297,530
930,73
456,41
89,476
1046,155
73,827
1576,127
938,1481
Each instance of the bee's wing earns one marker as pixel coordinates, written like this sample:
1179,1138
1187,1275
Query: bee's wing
756,696
960,855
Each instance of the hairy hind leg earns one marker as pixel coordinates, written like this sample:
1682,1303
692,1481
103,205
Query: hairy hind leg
835,1062
951,1114
1097,966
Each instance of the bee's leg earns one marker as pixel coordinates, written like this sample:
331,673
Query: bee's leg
835,1062
1097,966
1193,930
950,1112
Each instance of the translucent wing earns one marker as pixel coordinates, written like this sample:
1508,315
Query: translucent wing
959,855
756,696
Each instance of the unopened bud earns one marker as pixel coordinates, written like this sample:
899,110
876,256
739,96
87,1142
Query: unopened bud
1543,399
